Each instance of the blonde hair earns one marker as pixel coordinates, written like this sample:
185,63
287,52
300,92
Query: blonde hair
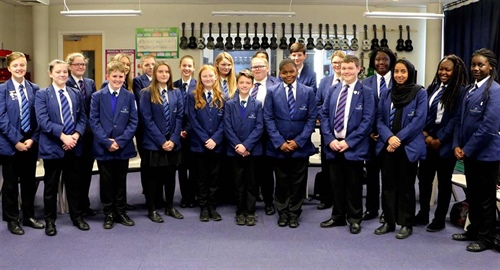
217,100
154,86
128,77
55,62
338,53
71,57
14,56
231,76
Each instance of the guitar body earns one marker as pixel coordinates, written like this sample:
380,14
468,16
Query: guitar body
383,41
210,39
274,40
292,38
310,40
283,44
237,40
319,41
408,45
336,40
366,42
328,41
220,40
201,39
255,43
374,40
345,41
361,74
264,40
401,42
354,40
192,39
247,45
184,41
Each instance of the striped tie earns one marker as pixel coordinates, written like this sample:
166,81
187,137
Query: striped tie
69,125
338,122
383,87
391,116
209,100
242,104
291,101
472,91
82,89
255,90
184,91
166,110
224,87
25,111
431,115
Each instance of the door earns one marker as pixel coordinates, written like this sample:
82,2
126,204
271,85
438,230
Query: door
91,47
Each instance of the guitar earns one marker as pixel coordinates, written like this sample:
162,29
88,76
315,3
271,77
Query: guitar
274,40
184,41
292,38
201,39
229,39
220,41
366,41
301,38
283,39
328,41
237,39
255,44
310,40
336,40
374,40
345,41
264,40
383,41
246,40
361,74
192,39
408,46
210,39
354,40
401,42
319,41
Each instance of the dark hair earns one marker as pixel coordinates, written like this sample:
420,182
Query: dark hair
298,47
392,57
492,59
261,52
287,61
351,59
457,80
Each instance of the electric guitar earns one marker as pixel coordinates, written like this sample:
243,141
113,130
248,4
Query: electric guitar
319,41
210,39
354,40
201,39
274,40
328,41
184,41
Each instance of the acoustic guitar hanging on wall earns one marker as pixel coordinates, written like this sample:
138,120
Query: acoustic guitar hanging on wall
401,42
274,40
264,44
210,39
283,44
201,39
192,39
220,40
237,39
319,41
408,45
328,41
184,41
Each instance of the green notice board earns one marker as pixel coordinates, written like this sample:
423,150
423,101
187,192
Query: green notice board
162,42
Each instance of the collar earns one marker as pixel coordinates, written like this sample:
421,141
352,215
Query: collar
387,78
77,79
111,90
57,88
480,83
16,84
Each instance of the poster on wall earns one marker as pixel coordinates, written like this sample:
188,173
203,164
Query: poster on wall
162,42
129,52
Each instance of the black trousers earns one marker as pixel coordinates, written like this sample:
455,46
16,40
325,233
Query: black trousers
398,187
19,169
159,178
113,184
187,185
243,174
346,185
481,177
208,166
86,166
324,183
373,167
265,174
426,171
68,170
291,173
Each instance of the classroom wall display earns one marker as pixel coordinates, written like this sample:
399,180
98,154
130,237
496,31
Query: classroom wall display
162,42
129,52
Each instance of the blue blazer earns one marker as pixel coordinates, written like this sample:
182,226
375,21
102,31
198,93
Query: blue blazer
246,130
324,85
359,124
477,130
139,83
155,122
281,127
308,77
121,126
89,90
191,87
10,116
48,113
412,125
206,124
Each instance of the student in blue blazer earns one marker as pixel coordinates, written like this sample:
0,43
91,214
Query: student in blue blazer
205,111
113,119
290,118
77,66
477,143
346,122
265,174
162,112
305,73
60,112
401,116
186,84
444,100
19,135
243,127
382,61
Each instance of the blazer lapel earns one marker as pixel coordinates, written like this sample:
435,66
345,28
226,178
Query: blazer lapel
356,94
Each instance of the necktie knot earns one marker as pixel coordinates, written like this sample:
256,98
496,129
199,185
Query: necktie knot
184,85
115,93
242,103
21,87
164,91
472,90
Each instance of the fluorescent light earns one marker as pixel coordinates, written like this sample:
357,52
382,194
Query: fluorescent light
96,12
403,15
254,13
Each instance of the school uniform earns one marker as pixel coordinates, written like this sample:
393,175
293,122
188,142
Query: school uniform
244,124
18,167
56,160
118,122
346,169
307,77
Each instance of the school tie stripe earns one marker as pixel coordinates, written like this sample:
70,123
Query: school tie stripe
184,90
472,91
431,115
391,116
166,110
224,87
25,111
209,100
69,125
383,87
338,122
291,100
255,90
82,89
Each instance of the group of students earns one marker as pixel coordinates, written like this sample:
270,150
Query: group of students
260,127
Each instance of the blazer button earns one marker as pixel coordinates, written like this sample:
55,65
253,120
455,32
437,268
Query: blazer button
114,125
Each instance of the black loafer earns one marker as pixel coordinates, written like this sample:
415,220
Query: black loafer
270,210
332,223
109,222
368,215
240,220
251,220
172,212
33,223
355,228
293,223
155,217
435,226
463,237
123,219
81,224
215,215
478,247
404,232
204,216
15,228
50,228
385,228
283,221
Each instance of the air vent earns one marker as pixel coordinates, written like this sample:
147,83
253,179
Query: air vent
34,2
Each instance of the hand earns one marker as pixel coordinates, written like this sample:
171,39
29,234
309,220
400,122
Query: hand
426,134
435,144
210,144
114,145
240,149
334,145
394,142
285,147
28,143
293,145
184,134
21,147
246,154
75,136
428,140
343,146
68,141
459,153
168,146
374,136
391,149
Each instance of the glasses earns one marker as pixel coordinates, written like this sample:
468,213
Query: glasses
79,64
336,63
258,67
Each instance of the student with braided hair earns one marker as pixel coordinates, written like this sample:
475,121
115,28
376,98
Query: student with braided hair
477,143
443,97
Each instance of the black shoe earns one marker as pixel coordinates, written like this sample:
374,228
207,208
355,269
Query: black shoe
323,206
368,215
81,224
435,226
355,228
283,220
386,228
214,215
270,210
251,220
240,220
155,217
15,228
332,223
463,237
183,203
123,219
421,219
89,212
109,222
478,246
129,207
293,223
173,213
382,218
404,232
204,216
50,228
33,223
